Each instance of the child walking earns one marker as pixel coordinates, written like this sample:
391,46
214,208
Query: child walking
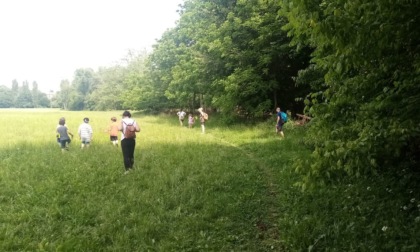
191,121
202,120
63,134
113,131
85,133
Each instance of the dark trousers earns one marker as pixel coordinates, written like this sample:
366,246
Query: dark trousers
128,145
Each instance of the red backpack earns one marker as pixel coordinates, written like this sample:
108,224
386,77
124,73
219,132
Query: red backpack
130,130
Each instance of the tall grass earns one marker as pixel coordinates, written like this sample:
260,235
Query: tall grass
231,189
188,192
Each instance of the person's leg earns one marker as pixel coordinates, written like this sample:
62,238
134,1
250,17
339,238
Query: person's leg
114,140
132,147
125,151
63,145
280,130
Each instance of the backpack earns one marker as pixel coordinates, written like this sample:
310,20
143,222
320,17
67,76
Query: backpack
206,116
130,130
283,116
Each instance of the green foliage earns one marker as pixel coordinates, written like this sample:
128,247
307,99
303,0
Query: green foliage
107,95
263,64
63,96
24,97
228,55
84,84
136,90
6,97
366,119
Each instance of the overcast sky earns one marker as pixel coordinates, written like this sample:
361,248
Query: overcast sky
47,40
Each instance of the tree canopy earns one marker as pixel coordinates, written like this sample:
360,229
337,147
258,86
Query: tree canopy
351,65
365,109
23,96
230,56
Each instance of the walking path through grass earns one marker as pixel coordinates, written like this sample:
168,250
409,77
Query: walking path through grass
231,189
267,226
189,191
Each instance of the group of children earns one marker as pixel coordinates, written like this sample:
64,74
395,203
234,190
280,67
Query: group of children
191,120
85,132
128,127
281,120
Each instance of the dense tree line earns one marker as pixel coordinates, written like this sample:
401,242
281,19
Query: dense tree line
352,65
364,83
231,56
23,96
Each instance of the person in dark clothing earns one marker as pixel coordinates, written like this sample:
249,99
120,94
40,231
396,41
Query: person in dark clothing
128,144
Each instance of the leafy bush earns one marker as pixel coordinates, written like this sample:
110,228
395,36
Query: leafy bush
366,111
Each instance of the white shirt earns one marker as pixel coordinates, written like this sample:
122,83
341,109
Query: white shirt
85,131
181,114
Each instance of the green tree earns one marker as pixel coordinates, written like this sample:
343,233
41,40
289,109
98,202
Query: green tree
262,61
230,55
132,81
367,119
109,89
160,64
43,100
6,97
15,90
35,94
24,97
64,95
84,83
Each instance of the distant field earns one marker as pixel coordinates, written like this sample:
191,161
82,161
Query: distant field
37,126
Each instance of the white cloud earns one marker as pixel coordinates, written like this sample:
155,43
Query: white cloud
46,40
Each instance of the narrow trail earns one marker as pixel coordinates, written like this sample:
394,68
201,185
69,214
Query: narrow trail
268,228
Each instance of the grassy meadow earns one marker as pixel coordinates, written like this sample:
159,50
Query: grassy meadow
231,189
188,191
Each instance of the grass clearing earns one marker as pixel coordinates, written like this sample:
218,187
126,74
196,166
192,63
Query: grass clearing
231,189
188,191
